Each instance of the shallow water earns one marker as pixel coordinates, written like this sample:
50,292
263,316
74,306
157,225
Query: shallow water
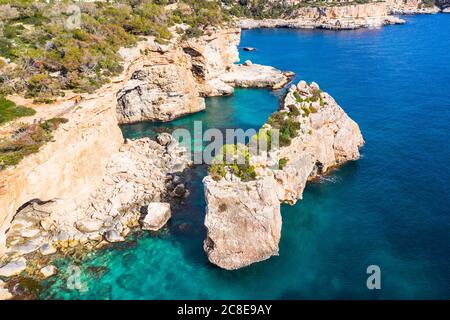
391,208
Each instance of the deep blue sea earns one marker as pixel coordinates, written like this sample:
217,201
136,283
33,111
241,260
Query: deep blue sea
391,208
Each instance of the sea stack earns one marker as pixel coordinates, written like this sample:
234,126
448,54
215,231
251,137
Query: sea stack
243,218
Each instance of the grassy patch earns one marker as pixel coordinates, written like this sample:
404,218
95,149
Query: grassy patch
10,111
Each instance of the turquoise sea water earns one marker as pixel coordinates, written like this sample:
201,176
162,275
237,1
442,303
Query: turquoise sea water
391,208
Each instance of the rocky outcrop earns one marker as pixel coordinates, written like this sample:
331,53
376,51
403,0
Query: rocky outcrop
243,217
157,216
243,222
70,166
411,7
211,56
136,176
249,75
169,81
340,17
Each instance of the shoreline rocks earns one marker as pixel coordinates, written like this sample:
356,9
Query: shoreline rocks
13,268
250,75
4,292
173,82
242,232
411,7
158,214
342,17
48,271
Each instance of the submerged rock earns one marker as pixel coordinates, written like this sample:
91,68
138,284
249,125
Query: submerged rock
158,214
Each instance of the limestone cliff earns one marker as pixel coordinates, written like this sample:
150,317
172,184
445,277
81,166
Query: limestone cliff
351,16
242,217
163,89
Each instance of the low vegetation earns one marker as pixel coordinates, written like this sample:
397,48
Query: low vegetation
27,140
10,111
65,45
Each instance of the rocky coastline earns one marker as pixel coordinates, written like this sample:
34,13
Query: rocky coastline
88,187
343,17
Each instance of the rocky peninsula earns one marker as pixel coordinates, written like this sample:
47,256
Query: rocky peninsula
243,218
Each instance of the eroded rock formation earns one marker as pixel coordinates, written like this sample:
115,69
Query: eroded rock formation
172,80
243,217
136,176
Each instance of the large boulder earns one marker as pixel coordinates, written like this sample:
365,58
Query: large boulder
158,213
89,225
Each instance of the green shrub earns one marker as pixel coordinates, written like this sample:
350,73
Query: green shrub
293,111
287,124
86,58
245,171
